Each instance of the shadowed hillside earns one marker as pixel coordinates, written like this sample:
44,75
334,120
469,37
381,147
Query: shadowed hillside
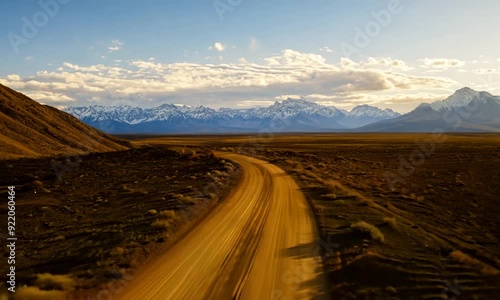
28,128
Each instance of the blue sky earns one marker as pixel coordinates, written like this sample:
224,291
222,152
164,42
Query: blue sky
239,53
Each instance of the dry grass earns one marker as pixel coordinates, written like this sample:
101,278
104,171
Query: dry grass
161,224
187,200
474,263
34,293
374,232
48,281
392,222
167,214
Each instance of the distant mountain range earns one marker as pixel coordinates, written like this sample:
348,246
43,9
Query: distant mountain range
28,128
291,115
465,110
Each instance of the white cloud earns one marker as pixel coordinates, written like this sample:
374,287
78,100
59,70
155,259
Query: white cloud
400,100
254,103
388,62
218,46
285,97
486,71
347,62
441,63
13,77
254,44
243,60
47,96
225,84
29,58
326,49
294,58
116,45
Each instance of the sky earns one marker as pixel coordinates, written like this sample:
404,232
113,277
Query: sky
243,53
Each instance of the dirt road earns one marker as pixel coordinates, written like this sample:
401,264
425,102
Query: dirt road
260,243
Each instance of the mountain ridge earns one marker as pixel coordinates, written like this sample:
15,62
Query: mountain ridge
466,110
30,129
294,114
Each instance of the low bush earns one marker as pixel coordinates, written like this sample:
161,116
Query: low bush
374,232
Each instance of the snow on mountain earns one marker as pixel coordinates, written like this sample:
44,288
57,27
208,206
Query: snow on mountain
461,98
373,112
365,114
293,107
297,115
464,111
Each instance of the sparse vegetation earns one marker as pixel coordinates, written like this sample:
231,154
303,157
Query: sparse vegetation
391,221
474,263
162,224
49,282
374,232
35,293
106,215
167,214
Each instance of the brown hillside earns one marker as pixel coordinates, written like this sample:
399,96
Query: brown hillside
28,128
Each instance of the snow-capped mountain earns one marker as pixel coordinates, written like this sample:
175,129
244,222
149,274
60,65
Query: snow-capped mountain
366,114
463,98
466,110
285,116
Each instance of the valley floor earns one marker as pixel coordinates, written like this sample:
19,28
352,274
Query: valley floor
402,216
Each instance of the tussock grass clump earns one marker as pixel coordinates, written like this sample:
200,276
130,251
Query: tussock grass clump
34,293
161,224
374,232
48,281
187,200
37,184
392,222
118,251
165,220
167,214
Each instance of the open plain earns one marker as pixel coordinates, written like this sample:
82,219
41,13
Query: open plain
304,216
402,216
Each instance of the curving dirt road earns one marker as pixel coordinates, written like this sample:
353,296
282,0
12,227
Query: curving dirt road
257,244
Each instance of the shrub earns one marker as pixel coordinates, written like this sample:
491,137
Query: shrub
368,228
167,214
48,281
391,222
187,200
161,224
118,251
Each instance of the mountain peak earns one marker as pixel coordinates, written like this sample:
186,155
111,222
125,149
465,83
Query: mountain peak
366,110
464,92
460,98
466,89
